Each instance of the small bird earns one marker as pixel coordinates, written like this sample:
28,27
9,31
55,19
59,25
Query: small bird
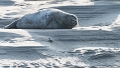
50,40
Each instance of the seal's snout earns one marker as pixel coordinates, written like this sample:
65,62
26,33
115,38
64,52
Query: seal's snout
74,20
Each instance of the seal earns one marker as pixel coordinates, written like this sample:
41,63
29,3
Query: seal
45,19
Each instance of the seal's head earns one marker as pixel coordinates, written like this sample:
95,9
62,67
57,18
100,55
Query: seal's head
72,20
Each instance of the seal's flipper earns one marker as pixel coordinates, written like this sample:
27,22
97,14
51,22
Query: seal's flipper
11,25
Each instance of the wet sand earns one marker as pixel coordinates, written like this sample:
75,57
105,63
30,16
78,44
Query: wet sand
95,44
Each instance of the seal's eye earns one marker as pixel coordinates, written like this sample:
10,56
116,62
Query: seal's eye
72,17
73,20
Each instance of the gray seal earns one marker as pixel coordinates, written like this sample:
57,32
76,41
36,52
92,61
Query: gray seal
45,19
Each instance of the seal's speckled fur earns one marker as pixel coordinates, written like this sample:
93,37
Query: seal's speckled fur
45,19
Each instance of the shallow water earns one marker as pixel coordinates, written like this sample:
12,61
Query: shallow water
6,3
